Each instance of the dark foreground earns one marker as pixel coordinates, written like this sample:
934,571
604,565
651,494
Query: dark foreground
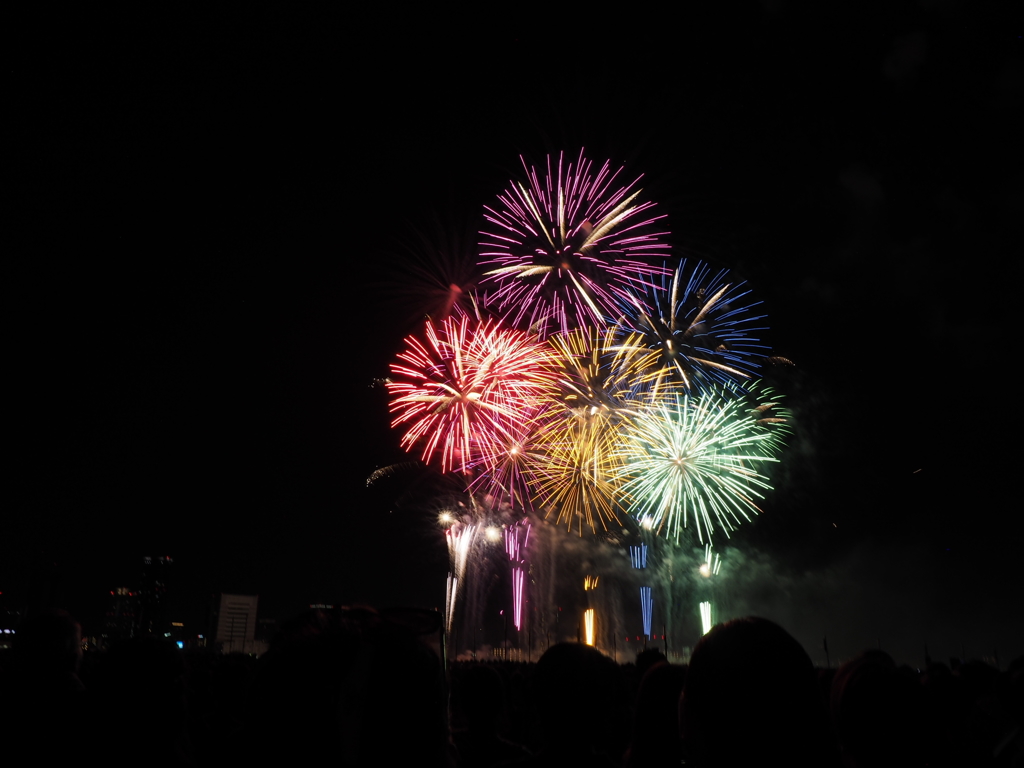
359,687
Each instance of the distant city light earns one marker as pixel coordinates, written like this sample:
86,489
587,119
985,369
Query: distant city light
181,644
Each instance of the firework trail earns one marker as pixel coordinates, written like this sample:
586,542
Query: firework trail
467,388
698,457
638,559
459,537
710,567
590,614
516,538
566,248
705,617
646,608
700,331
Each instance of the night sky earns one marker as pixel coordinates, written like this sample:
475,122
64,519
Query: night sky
208,226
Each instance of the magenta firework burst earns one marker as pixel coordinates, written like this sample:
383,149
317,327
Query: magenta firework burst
568,246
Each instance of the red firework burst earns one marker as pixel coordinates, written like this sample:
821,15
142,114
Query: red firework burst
467,389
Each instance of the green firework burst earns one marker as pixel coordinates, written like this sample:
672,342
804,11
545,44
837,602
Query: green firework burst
701,458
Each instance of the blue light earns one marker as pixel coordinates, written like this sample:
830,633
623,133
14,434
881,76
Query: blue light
646,607
638,556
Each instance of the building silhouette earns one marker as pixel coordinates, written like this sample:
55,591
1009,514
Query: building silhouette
236,623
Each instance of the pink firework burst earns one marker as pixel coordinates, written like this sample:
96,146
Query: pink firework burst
465,390
566,248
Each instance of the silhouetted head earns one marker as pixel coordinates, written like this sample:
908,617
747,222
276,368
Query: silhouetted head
877,711
481,693
647,659
359,679
655,734
751,698
580,697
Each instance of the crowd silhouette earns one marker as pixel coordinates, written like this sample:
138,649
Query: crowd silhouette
360,687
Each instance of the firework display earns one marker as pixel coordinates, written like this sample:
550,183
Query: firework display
467,387
504,466
574,473
700,330
591,383
595,374
698,458
568,246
